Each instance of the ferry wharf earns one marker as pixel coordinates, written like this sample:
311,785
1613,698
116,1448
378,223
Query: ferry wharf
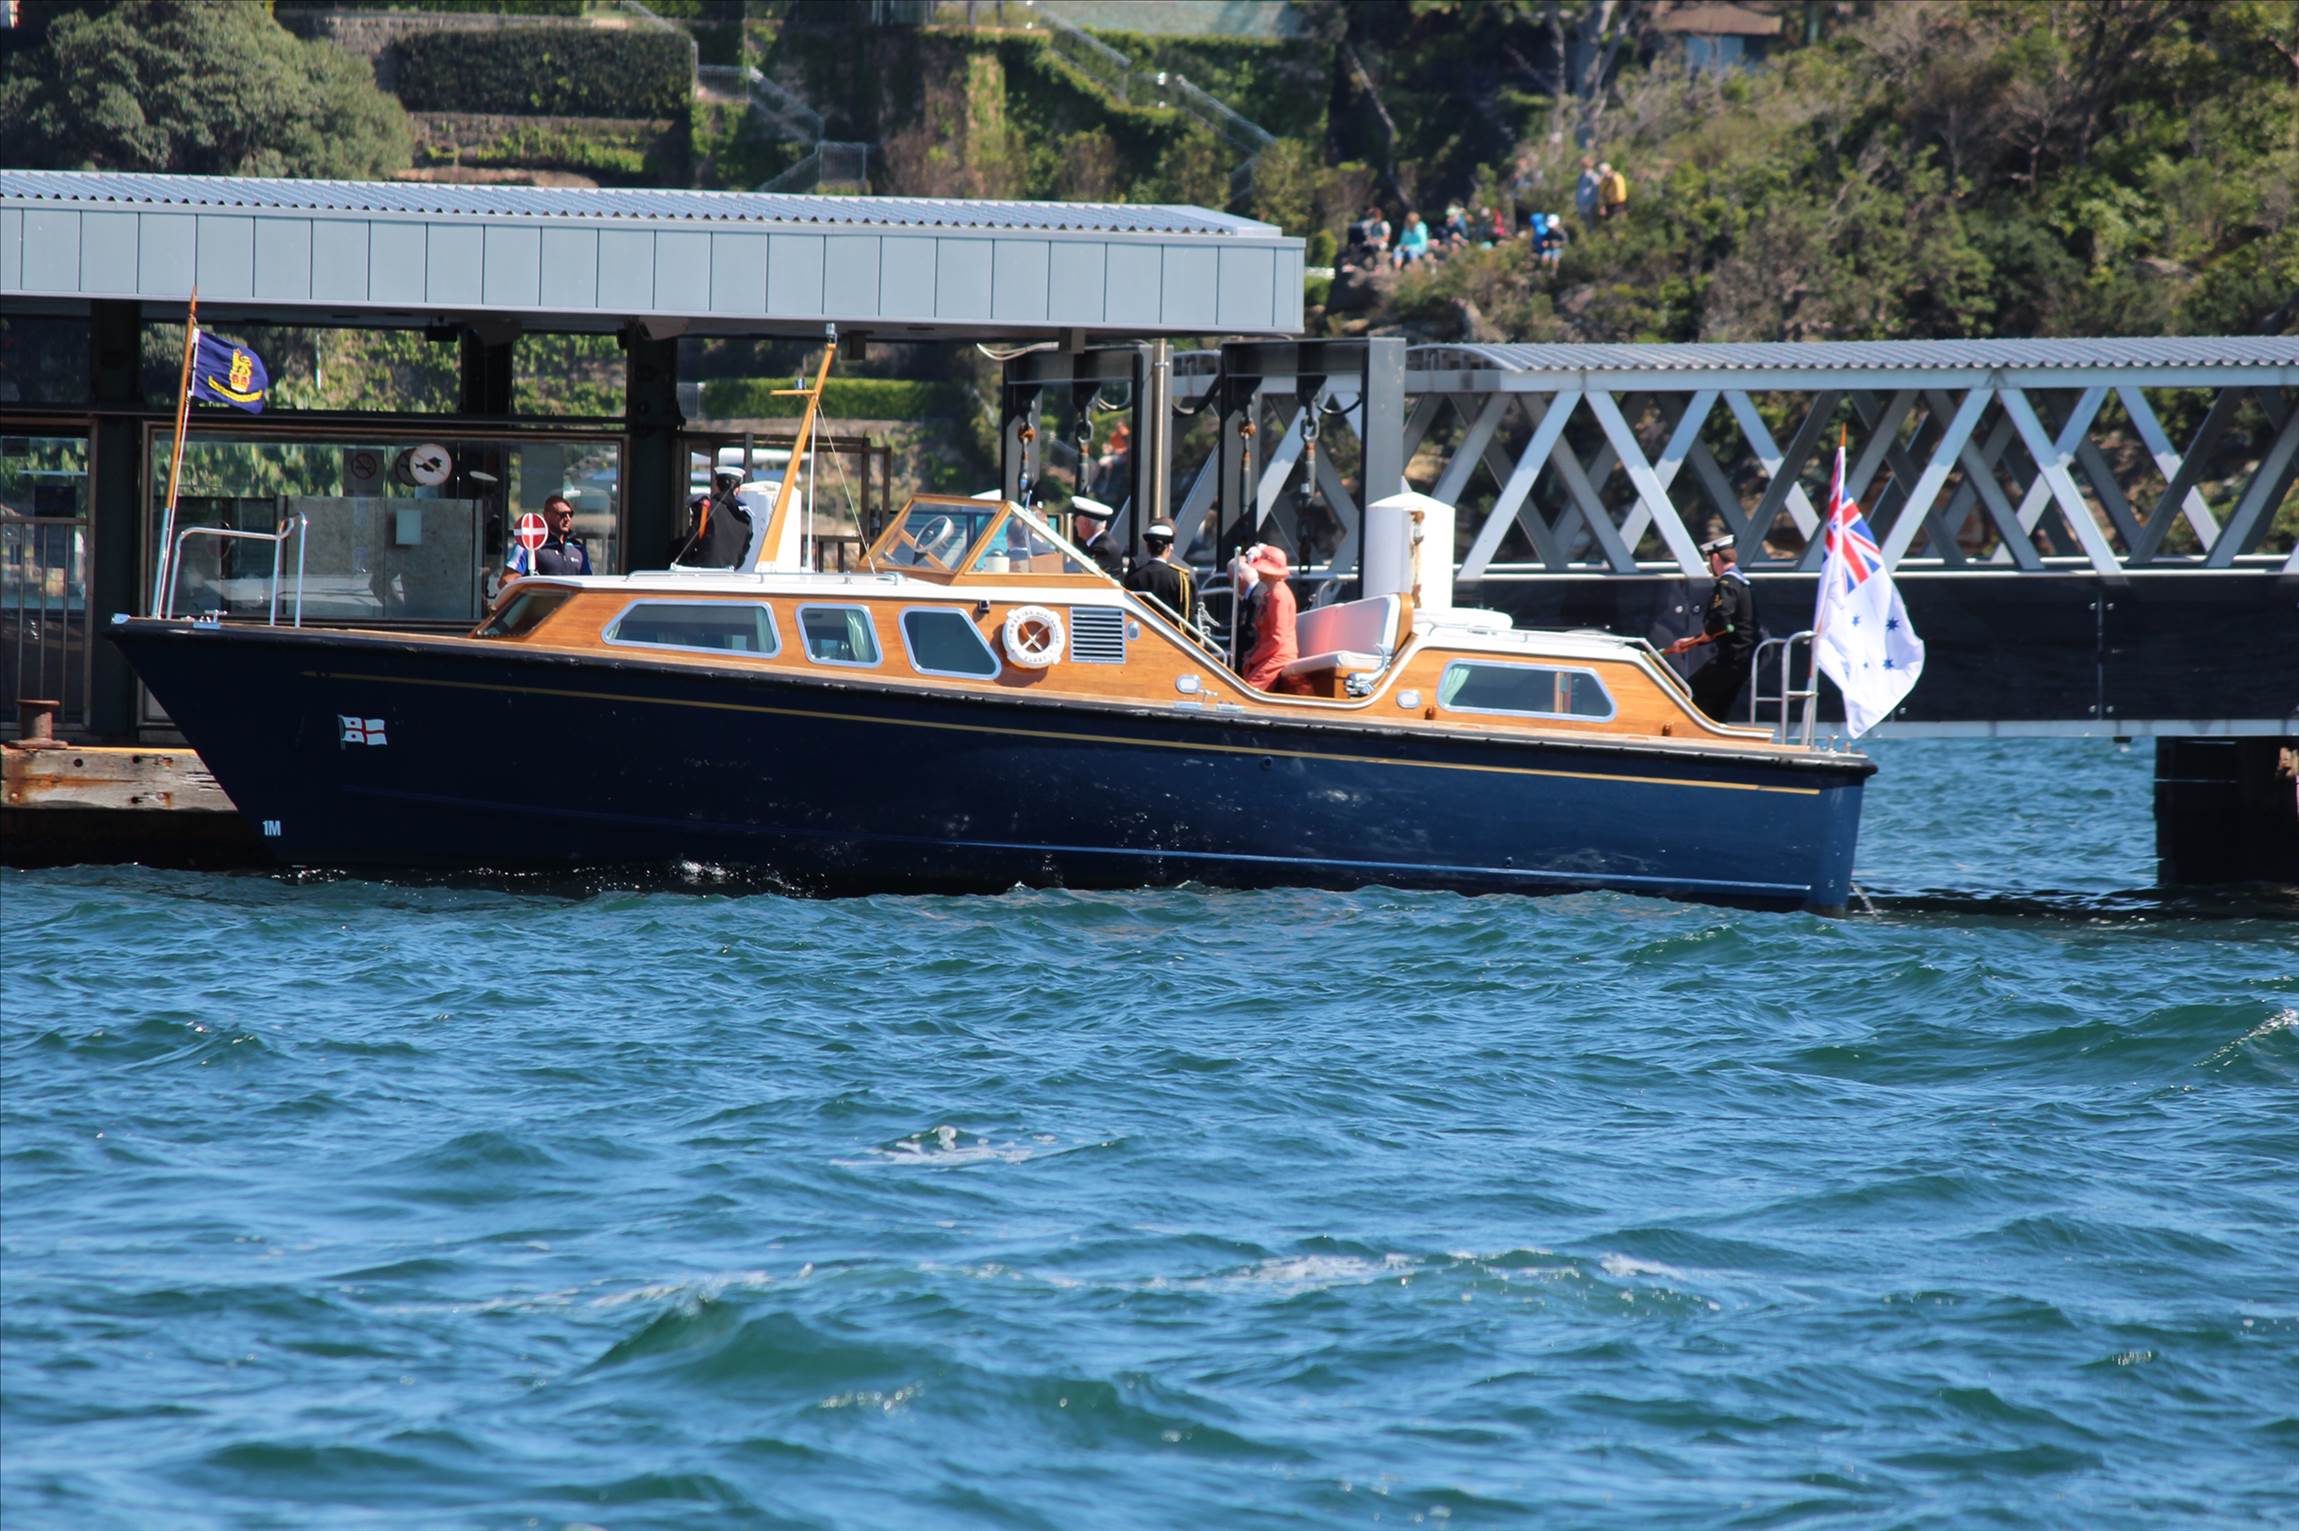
2094,536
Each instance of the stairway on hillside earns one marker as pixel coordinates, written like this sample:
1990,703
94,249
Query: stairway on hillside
1140,84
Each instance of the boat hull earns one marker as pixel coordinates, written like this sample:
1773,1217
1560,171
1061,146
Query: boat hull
369,751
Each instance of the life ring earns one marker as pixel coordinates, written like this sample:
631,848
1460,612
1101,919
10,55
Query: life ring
1033,637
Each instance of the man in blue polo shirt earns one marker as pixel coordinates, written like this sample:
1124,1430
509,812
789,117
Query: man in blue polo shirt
562,551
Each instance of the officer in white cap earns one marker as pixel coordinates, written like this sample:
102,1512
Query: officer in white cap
1729,628
1161,575
1090,527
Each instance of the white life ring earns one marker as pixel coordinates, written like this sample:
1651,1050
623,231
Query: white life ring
1033,636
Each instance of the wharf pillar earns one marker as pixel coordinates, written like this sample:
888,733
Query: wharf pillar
2227,810
116,577
486,376
655,488
1086,382
1362,378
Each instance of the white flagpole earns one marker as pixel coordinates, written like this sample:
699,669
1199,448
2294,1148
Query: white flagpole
1828,571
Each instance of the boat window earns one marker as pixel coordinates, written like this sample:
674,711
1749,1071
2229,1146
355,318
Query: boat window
935,536
738,627
1535,691
946,642
523,613
838,635
1022,546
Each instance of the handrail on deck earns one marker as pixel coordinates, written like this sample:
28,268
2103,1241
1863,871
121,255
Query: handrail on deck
1809,694
288,526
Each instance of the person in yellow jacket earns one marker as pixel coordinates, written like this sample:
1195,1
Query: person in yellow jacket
1612,192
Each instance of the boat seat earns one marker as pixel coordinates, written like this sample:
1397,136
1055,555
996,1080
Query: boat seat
1334,662
1347,637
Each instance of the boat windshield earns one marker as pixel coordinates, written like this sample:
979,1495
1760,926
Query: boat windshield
1024,546
934,534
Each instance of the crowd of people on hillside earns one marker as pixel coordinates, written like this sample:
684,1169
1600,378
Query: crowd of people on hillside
1600,196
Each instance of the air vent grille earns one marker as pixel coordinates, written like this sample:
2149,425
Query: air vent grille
1097,635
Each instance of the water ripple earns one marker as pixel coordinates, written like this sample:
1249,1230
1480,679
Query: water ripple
595,1204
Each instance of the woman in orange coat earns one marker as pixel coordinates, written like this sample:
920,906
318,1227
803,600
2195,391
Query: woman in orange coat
1274,643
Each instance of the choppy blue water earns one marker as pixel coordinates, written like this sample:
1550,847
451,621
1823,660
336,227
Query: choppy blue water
344,1204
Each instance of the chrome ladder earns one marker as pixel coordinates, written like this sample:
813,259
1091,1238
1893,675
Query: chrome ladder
1809,694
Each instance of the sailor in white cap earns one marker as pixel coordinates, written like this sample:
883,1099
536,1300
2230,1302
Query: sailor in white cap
1090,527
1729,627
1162,576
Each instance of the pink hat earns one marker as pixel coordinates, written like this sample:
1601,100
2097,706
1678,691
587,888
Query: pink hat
1267,559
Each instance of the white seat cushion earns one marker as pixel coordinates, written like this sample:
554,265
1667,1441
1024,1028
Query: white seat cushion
1333,659
1362,627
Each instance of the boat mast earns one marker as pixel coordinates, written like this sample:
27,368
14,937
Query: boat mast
176,457
778,524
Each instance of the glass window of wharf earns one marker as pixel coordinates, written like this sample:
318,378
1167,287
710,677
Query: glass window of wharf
409,503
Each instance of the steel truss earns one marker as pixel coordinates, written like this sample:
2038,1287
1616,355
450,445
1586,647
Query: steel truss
2030,457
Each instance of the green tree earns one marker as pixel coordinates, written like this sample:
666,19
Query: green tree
1285,181
205,87
1196,171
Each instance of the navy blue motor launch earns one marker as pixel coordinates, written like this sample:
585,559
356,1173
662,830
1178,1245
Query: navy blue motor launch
857,736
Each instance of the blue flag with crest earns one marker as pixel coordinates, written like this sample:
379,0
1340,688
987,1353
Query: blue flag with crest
227,372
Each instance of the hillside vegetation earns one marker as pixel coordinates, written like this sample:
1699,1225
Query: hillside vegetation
1919,168
2053,168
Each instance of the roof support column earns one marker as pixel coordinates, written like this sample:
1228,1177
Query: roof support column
116,518
1381,423
1239,466
486,375
1019,460
655,474
1153,436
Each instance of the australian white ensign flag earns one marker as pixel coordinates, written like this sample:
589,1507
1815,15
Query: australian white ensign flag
1861,634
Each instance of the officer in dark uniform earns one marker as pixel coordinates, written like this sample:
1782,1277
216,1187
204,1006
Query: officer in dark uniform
1729,628
1163,576
721,533
562,551
1090,523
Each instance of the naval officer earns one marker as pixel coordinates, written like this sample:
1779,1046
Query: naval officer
1729,628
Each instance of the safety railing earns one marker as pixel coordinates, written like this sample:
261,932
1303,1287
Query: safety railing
1140,85
1808,694
44,613
770,101
288,527
831,164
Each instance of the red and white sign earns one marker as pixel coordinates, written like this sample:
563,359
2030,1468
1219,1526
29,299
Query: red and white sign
532,532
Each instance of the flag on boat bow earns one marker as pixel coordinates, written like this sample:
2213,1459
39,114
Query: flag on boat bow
227,372
1861,636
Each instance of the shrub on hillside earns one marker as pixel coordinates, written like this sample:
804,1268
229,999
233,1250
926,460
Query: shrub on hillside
192,90
571,71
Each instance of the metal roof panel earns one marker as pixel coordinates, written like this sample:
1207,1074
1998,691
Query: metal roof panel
91,188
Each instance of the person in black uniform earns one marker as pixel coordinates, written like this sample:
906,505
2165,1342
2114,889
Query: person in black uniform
721,533
562,551
1729,628
1164,576
1090,525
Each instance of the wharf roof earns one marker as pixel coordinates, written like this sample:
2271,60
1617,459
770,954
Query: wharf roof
401,252
99,188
